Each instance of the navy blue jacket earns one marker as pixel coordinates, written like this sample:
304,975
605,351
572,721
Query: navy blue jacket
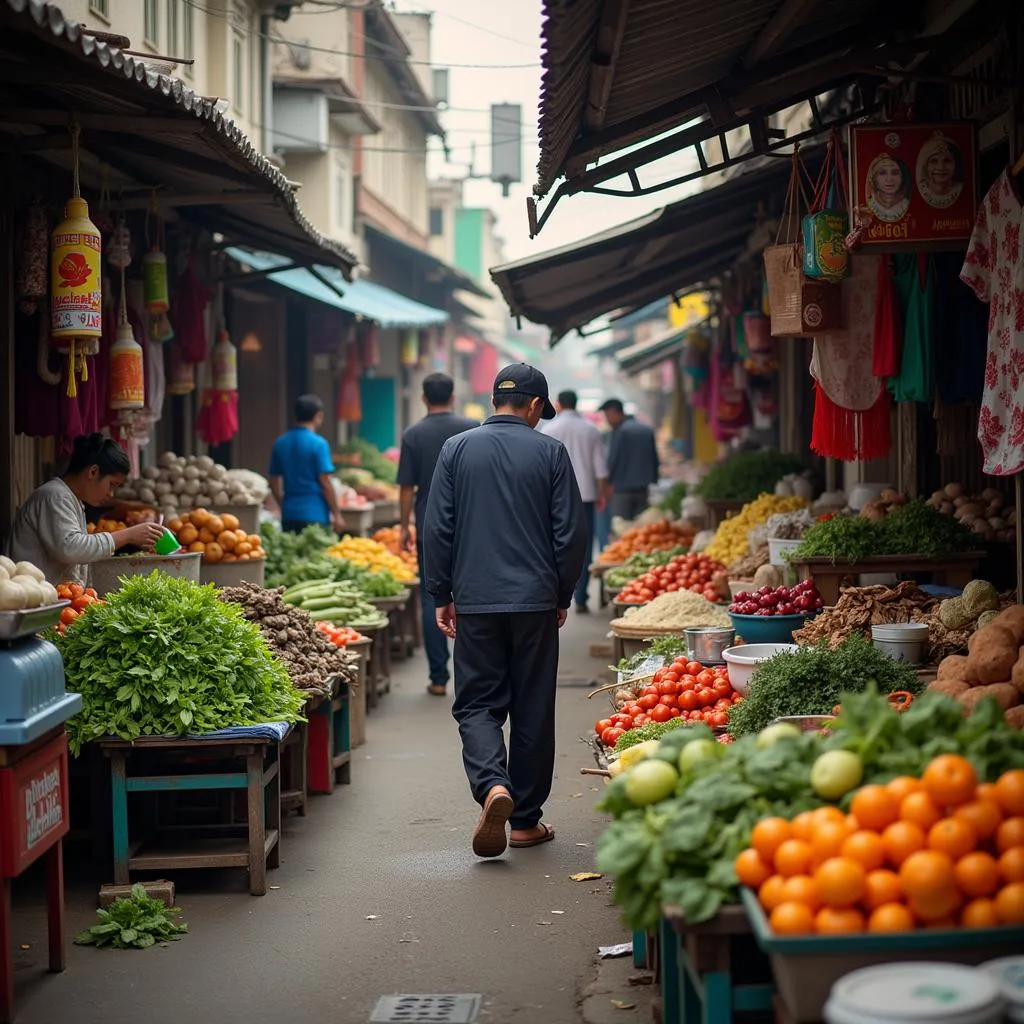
633,457
504,529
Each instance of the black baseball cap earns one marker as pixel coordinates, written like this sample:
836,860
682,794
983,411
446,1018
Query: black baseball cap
523,379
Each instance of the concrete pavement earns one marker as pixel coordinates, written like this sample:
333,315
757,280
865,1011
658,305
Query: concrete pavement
378,893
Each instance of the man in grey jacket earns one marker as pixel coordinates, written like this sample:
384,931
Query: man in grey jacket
504,542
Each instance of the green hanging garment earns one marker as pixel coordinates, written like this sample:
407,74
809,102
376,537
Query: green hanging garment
915,286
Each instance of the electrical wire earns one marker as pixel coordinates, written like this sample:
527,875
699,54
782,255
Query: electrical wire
361,56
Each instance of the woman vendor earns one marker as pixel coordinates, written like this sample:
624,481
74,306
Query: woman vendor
50,529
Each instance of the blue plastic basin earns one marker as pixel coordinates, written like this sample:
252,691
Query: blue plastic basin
768,629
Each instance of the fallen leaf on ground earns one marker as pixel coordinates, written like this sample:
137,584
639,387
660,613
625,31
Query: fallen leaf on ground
586,876
620,1005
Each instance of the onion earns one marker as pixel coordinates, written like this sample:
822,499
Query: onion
953,490
28,569
12,597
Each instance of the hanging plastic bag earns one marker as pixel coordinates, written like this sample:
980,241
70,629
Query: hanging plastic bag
826,225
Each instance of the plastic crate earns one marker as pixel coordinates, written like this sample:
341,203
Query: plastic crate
806,967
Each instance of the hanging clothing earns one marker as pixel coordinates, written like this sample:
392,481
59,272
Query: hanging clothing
994,270
915,286
960,327
888,344
191,299
851,406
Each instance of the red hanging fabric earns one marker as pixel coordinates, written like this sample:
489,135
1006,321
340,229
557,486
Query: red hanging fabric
217,421
349,408
483,369
888,345
851,434
191,299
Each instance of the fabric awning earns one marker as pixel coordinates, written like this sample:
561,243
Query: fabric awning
621,73
650,353
142,129
360,298
436,270
670,250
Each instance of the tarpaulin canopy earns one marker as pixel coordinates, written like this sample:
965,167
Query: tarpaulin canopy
360,298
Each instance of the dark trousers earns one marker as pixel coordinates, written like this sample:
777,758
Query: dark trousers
435,643
584,581
505,667
628,504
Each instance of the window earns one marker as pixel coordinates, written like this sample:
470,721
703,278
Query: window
238,70
174,29
100,8
436,221
151,22
188,36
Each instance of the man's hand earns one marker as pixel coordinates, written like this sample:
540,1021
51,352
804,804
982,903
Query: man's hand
446,620
338,522
561,614
406,539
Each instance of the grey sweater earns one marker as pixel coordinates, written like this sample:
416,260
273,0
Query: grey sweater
50,532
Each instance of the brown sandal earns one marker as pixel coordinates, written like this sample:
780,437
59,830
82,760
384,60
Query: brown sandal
545,837
489,839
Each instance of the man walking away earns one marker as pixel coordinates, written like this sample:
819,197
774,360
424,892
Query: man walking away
301,472
585,446
421,446
632,461
504,544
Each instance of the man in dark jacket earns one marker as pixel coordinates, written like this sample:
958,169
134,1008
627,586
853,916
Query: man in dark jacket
632,461
504,543
421,447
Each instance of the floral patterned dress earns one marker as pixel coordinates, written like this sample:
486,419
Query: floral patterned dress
994,270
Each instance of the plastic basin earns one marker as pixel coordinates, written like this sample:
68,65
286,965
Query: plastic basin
743,660
768,629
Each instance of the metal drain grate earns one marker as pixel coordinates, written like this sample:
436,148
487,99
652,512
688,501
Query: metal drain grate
439,1009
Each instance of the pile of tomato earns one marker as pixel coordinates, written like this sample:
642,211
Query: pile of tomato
697,573
80,598
682,689
340,636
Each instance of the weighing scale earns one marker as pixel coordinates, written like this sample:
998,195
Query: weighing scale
33,775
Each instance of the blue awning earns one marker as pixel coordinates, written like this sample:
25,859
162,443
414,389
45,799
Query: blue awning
360,298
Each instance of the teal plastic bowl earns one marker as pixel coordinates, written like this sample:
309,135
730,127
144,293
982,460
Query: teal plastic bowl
768,629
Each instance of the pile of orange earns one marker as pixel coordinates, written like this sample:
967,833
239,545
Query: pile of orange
391,538
219,538
661,536
942,851
106,526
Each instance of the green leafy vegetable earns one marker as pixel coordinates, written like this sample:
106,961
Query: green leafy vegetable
672,502
811,681
914,528
284,549
164,656
748,475
371,459
134,922
650,731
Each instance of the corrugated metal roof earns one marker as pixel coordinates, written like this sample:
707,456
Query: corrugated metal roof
676,55
668,250
127,86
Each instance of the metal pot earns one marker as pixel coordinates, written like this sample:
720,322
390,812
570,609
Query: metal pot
706,643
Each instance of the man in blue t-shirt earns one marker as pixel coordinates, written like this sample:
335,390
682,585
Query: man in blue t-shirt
301,472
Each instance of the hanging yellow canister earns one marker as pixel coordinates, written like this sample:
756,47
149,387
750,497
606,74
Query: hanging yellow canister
224,358
182,380
410,353
127,379
154,282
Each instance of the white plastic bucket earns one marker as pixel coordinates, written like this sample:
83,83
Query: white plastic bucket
777,548
905,641
742,661
1008,972
916,993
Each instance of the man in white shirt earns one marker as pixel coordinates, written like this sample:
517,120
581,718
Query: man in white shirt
586,450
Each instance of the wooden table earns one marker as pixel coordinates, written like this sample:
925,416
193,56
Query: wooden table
393,608
408,623
358,693
378,668
174,764
948,570
34,819
698,964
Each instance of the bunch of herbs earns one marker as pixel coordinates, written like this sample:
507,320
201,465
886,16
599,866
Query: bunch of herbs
746,476
134,922
811,680
163,657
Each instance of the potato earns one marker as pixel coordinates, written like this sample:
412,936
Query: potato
954,688
1005,695
1015,717
1012,619
952,667
1017,675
